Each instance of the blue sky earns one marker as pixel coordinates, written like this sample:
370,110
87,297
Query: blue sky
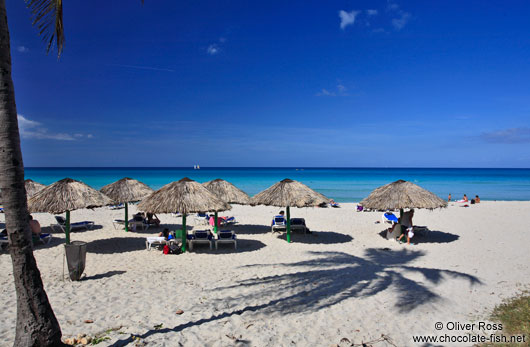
277,83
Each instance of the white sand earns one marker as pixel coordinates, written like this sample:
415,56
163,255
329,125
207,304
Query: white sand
338,282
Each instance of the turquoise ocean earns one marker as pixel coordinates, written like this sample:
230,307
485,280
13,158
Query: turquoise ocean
341,184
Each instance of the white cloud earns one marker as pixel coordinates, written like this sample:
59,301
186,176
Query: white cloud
325,92
213,49
30,129
371,12
22,49
402,17
347,18
401,21
341,90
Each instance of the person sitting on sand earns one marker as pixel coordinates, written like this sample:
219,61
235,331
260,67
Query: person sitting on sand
465,198
407,225
477,199
152,219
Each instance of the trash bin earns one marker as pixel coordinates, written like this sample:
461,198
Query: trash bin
75,259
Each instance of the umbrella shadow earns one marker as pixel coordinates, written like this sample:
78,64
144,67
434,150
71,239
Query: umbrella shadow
433,236
104,275
328,279
318,237
250,229
116,245
243,246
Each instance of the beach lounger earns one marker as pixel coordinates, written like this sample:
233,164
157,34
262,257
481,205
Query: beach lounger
4,242
200,236
279,224
117,207
154,240
61,224
226,236
299,224
229,220
133,224
396,231
42,238
389,217
202,218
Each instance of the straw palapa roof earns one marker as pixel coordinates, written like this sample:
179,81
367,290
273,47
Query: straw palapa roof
402,194
33,187
184,196
289,193
66,195
126,190
226,191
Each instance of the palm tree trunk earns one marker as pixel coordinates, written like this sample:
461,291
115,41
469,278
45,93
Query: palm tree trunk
36,322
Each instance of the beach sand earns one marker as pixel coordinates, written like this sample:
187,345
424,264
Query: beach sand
342,281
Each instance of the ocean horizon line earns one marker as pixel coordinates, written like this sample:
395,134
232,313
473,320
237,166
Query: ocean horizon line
282,167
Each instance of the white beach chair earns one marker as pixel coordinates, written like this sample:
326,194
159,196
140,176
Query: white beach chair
133,224
4,242
278,224
396,231
61,224
298,224
226,236
154,240
389,217
200,236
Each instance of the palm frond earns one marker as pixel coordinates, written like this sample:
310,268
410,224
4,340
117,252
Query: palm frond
47,17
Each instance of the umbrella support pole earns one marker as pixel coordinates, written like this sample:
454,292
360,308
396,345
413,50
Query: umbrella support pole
67,227
184,233
288,224
400,214
126,217
216,224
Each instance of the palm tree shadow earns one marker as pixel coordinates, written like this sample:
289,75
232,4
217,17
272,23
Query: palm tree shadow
327,280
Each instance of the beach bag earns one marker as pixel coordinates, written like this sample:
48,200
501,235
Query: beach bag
410,233
166,249
174,249
472,201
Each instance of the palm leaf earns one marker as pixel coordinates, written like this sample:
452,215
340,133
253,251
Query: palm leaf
47,17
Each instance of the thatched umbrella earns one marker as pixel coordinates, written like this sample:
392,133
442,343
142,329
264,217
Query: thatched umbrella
64,196
33,187
184,196
289,193
227,192
124,191
402,194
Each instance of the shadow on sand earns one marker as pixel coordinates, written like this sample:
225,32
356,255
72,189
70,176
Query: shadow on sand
129,244
327,280
317,237
249,229
103,275
433,236
116,245
243,245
